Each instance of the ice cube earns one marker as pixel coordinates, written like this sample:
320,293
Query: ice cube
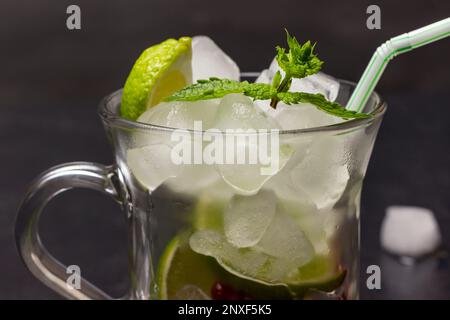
208,60
316,83
151,165
322,174
237,111
208,242
298,204
410,231
246,218
302,115
284,239
182,114
265,76
247,171
313,222
242,262
303,199
193,179
315,176
180,177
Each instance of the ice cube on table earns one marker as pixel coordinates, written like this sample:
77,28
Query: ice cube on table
410,231
237,112
246,218
316,83
208,60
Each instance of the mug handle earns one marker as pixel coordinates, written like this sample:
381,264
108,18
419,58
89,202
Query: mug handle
49,184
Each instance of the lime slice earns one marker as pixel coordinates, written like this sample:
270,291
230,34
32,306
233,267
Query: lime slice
318,274
160,70
180,269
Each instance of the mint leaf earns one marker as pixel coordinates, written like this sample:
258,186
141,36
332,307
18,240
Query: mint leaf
321,103
208,89
260,91
217,88
300,61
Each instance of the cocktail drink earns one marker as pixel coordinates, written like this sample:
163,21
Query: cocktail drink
232,189
244,199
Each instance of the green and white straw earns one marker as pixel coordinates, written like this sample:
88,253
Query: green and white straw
390,49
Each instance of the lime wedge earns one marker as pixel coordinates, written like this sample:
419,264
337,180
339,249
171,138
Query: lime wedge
160,70
319,274
180,268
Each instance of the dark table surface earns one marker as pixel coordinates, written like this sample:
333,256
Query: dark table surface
409,166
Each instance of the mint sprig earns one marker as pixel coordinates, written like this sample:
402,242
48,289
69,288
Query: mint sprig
215,88
298,61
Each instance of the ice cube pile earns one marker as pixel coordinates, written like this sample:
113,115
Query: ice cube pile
261,237
307,170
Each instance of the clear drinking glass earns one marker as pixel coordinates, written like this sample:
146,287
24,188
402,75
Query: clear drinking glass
173,209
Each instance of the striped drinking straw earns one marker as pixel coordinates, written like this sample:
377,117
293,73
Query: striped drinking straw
390,49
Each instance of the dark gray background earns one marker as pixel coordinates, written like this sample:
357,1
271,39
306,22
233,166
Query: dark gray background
51,80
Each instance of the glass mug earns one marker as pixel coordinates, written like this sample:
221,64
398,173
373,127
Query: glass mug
173,210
